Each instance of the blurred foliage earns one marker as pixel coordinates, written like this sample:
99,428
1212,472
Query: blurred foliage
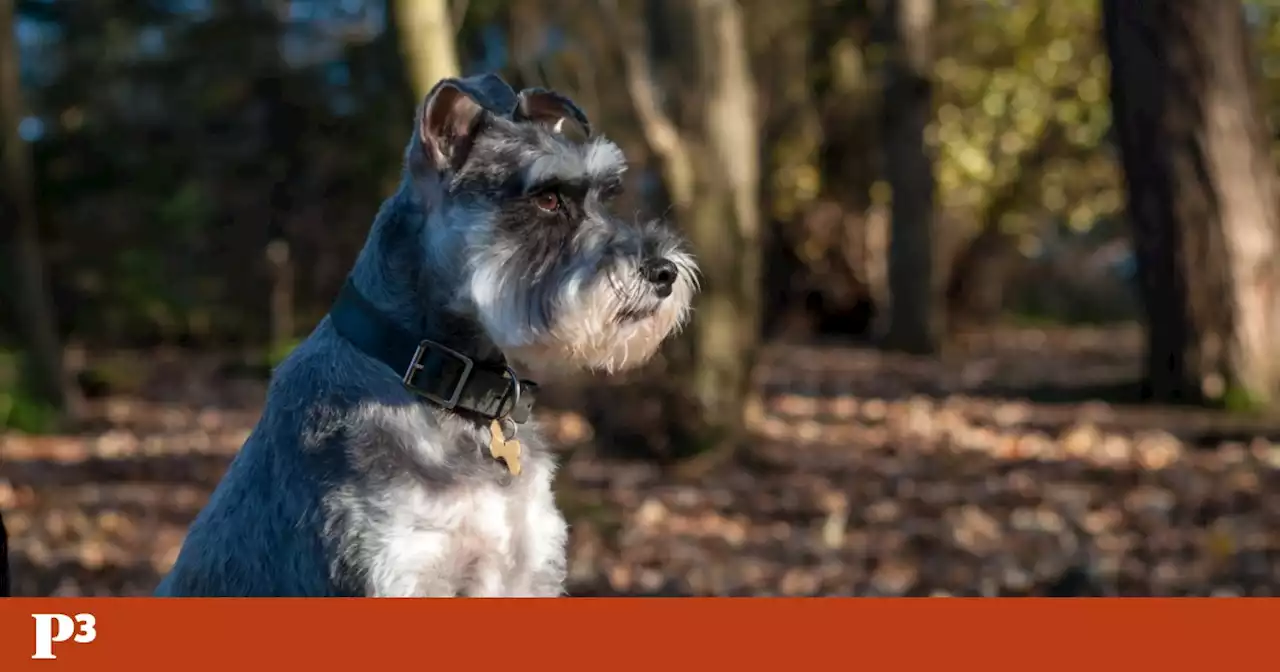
1007,72
172,139
19,410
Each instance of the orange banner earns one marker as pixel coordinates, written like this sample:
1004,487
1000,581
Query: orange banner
652,634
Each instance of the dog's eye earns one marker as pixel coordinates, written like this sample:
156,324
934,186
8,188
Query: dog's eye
547,200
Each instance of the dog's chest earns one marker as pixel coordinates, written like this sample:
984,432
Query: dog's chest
478,519
479,538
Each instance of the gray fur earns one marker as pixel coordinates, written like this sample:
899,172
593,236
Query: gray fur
350,485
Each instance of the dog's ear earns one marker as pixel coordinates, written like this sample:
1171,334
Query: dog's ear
448,121
557,111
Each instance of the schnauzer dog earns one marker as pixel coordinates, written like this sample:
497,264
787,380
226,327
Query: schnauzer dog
387,460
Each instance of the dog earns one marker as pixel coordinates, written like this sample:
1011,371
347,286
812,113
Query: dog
395,455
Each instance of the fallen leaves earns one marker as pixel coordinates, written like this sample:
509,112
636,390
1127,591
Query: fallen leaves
873,474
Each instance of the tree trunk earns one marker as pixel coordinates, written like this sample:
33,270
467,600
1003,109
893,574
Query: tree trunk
711,169
1202,197
426,35
913,304
19,234
725,224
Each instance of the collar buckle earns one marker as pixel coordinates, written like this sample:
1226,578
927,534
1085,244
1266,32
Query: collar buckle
416,365
514,388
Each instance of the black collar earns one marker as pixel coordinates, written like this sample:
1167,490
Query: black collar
440,374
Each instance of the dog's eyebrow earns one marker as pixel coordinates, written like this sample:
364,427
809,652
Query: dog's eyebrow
600,162
578,184
550,169
569,181
604,161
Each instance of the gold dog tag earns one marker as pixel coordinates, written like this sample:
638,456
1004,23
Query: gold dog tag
501,448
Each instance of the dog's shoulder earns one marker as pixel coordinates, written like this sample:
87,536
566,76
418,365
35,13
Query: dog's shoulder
327,371
336,400
265,528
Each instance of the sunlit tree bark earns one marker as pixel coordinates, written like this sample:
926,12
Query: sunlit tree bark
1202,197
426,35
710,159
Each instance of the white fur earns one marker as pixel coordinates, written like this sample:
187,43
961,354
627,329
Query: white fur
588,333
474,537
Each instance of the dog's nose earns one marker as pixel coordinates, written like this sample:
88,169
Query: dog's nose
662,273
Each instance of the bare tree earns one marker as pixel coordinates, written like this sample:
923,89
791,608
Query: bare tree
426,33
913,304
1202,196
19,232
710,165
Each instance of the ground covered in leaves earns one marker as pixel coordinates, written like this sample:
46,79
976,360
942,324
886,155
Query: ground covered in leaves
1010,467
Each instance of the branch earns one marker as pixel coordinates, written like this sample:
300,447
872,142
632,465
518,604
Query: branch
660,131
459,15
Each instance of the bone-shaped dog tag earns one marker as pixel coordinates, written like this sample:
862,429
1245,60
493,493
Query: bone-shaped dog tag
501,448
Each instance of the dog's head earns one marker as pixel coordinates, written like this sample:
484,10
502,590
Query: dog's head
518,192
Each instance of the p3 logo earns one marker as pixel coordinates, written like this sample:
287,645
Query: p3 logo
80,629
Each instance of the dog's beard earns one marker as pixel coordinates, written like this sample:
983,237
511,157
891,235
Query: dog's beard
601,318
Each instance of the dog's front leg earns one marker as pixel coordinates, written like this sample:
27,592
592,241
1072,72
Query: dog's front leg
488,579
548,579
545,538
